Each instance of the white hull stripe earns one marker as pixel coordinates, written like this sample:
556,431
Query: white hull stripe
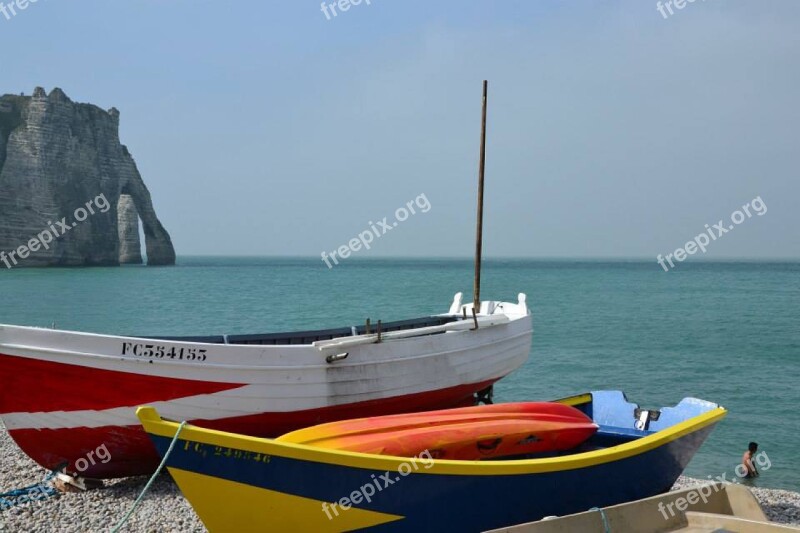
244,401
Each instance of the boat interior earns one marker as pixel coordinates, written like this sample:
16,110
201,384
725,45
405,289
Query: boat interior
308,337
621,421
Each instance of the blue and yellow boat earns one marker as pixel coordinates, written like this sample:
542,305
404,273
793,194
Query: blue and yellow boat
240,483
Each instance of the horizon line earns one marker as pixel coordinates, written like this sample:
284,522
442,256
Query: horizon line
638,259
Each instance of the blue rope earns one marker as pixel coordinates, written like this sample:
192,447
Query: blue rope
603,516
40,490
152,479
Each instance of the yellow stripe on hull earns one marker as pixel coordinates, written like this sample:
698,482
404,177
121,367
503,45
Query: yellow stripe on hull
153,424
225,505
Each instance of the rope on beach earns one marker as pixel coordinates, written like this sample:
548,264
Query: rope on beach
603,516
9,499
151,480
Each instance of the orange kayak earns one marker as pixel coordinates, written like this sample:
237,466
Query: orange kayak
468,433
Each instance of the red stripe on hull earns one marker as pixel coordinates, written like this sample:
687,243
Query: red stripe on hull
131,452
109,388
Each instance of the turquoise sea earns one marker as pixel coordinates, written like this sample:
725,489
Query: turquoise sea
726,332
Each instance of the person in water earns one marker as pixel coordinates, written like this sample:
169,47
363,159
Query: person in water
747,460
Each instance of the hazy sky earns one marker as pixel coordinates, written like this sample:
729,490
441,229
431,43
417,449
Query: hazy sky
263,128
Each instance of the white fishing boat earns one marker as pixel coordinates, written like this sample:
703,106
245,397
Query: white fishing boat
65,395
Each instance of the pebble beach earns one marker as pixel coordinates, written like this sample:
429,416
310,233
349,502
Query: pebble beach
163,509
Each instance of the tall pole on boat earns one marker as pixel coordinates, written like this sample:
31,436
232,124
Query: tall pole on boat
479,236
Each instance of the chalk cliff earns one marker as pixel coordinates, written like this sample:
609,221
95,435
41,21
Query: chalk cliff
63,161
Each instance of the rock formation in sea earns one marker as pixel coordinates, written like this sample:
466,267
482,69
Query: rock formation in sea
66,178
130,247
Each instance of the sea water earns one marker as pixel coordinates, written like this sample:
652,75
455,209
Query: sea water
725,332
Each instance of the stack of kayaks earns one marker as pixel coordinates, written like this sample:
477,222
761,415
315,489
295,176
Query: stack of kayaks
467,434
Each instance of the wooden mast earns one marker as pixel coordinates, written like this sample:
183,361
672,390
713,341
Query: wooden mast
479,235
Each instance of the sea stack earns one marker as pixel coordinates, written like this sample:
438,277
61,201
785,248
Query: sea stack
130,247
66,178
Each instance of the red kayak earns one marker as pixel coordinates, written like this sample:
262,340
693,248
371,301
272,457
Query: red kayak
468,433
